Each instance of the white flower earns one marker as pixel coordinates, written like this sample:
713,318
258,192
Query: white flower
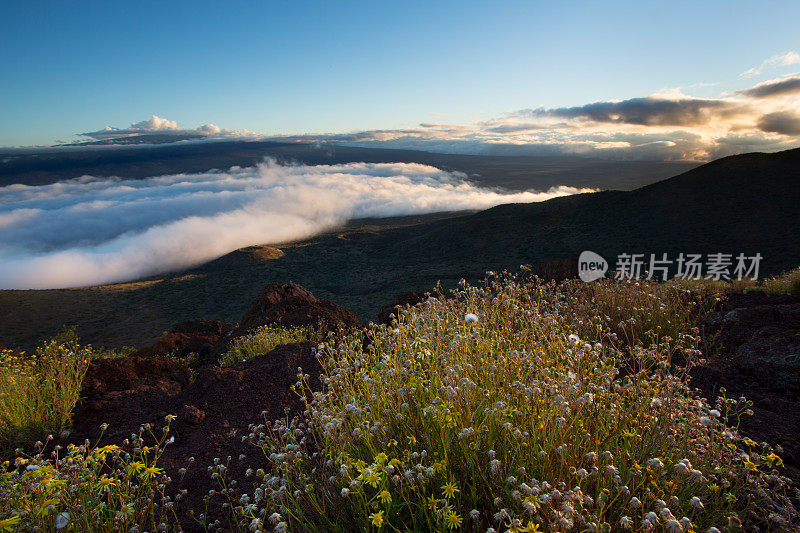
470,317
696,503
705,421
474,514
655,463
625,522
62,520
574,339
466,432
673,526
275,518
345,492
714,413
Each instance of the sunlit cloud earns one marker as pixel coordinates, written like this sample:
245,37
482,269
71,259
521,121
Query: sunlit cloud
90,231
779,60
162,126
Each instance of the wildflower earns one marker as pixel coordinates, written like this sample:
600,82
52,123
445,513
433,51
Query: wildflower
673,526
474,514
635,502
453,520
345,492
625,522
377,519
574,339
466,432
696,503
62,520
281,527
712,529
449,489
275,518
385,497
655,463
714,413
470,317
494,465
704,420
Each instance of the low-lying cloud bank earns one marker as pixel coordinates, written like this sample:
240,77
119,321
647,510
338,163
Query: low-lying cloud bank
91,231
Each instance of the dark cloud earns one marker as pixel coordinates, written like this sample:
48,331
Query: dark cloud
774,88
650,111
783,122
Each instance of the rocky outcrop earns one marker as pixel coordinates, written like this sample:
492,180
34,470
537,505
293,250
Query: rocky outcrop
133,374
213,413
291,305
755,340
200,336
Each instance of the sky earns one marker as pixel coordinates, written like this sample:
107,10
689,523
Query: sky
676,80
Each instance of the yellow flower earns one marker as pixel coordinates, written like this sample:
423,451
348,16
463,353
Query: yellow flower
453,520
106,483
135,467
713,487
151,471
750,442
381,458
377,519
449,489
7,523
774,459
750,466
530,528
374,479
385,497
433,502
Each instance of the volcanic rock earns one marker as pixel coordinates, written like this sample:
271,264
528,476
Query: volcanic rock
291,305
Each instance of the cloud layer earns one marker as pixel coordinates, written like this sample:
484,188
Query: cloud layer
90,231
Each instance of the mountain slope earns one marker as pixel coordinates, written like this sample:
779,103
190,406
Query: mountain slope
742,204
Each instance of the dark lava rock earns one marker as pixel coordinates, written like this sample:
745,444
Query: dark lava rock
213,413
757,338
132,373
557,269
292,305
192,336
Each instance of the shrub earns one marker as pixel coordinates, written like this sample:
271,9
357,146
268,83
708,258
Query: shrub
507,407
89,488
265,339
787,283
39,391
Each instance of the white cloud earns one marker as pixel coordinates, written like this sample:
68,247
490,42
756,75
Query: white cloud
91,231
779,60
164,126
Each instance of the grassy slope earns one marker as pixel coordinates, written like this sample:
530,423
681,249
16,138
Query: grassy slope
748,203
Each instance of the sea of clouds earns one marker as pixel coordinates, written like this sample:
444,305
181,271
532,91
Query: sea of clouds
90,231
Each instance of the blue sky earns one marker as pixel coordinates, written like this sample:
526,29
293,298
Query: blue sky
328,67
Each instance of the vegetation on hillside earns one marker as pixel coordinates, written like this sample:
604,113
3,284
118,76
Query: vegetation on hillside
513,406
38,391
